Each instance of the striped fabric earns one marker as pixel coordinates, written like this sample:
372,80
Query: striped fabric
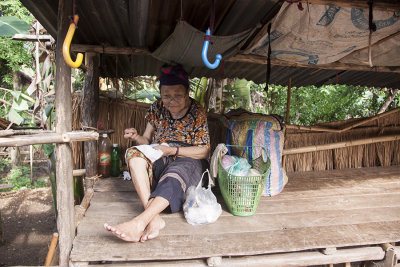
260,131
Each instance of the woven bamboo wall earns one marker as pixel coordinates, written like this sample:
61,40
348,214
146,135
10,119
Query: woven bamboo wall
120,114
378,154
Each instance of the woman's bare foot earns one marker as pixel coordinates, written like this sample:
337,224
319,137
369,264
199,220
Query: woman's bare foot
153,228
130,231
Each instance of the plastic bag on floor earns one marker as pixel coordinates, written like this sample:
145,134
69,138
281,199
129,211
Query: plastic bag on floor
201,206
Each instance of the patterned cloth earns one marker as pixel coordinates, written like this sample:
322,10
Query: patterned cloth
135,153
173,176
191,129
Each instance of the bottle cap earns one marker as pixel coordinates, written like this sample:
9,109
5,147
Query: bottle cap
104,135
115,145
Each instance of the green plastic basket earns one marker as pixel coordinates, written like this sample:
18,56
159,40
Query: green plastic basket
242,193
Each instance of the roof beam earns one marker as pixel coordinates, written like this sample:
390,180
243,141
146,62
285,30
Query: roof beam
32,37
246,58
113,50
249,58
384,5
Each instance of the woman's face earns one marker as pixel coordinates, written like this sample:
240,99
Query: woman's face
174,98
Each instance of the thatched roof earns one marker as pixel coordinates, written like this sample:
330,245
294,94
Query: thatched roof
129,31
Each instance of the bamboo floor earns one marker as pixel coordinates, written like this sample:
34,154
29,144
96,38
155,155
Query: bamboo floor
352,208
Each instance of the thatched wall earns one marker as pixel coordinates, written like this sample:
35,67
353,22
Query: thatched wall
118,114
377,154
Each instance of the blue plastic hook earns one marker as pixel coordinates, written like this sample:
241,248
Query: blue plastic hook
204,53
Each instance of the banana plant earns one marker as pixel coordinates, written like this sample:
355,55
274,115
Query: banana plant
20,104
10,25
237,95
201,90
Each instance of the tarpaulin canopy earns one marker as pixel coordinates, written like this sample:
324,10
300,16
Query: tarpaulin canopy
322,34
185,45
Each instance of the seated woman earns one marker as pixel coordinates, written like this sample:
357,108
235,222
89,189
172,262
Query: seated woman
181,122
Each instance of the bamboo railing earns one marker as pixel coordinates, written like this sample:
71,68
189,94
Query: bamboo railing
48,138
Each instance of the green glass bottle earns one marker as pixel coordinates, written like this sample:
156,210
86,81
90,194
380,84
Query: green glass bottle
115,161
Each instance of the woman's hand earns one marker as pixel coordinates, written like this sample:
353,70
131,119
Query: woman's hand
195,152
167,150
132,134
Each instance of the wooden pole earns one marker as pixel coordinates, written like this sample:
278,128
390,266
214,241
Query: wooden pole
90,110
332,130
289,89
359,142
52,248
258,59
81,209
78,172
21,132
64,164
48,138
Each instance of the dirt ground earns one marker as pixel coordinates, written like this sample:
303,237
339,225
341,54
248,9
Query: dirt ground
28,224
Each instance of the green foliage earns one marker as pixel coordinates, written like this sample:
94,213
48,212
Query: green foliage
13,54
48,149
41,182
20,178
20,102
16,9
78,79
199,90
143,89
11,25
4,165
237,95
310,104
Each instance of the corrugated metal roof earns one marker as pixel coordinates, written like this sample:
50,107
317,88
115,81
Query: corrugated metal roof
146,24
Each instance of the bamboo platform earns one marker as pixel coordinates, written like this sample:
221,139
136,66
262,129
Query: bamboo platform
353,209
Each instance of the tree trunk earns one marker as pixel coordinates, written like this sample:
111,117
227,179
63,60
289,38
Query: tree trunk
15,157
1,231
17,84
64,179
388,101
14,151
90,111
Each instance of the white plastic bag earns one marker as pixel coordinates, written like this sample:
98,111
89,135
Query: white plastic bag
240,168
201,206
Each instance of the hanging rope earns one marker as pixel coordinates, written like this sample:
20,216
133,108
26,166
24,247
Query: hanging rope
181,18
372,28
268,59
212,16
337,77
207,41
73,11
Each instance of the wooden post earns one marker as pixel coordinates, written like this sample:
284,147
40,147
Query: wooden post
1,231
65,192
289,89
90,111
15,157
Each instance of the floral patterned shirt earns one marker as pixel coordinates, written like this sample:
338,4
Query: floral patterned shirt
191,129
